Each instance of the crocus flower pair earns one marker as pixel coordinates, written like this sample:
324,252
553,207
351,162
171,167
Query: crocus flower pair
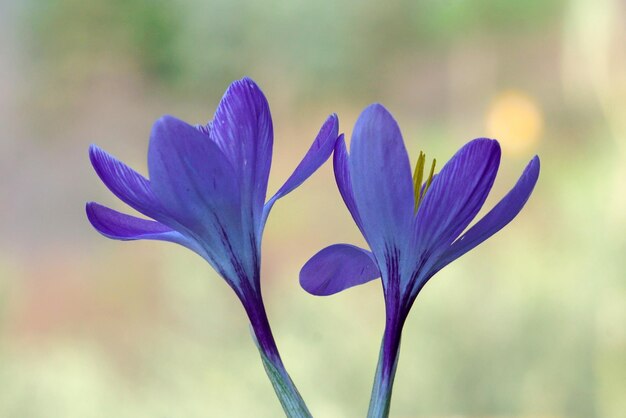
207,192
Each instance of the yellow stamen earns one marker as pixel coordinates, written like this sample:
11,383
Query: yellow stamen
430,176
418,176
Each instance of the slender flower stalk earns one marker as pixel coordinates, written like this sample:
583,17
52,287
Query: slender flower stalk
206,191
413,224
380,400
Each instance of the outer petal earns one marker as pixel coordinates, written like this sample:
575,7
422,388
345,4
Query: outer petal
497,218
341,167
317,155
116,225
242,129
336,268
456,195
197,186
381,180
128,185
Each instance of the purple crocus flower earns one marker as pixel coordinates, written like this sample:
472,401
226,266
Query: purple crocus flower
413,228
207,192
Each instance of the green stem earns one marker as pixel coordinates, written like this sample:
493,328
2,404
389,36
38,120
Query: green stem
285,389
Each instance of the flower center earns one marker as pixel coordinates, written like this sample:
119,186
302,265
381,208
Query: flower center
418,177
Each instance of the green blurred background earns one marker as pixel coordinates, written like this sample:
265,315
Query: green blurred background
530,324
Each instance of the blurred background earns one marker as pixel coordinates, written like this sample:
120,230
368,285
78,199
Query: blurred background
530,324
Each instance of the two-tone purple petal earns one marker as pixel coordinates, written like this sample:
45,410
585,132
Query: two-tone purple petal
242,129
380,175
116,225
198,186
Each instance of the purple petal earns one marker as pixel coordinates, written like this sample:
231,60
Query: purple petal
497,218
317,155
381,180
128,185
242,129
195,184
336,268
117,225
456,195
341,167
319,152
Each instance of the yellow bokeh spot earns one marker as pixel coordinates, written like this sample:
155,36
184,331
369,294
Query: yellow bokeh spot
516,121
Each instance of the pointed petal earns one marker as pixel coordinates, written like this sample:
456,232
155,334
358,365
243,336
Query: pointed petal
456,195
242,129
341,166
497,218
117,225
319,152
125,183
195,184
381,180
317,155
336,268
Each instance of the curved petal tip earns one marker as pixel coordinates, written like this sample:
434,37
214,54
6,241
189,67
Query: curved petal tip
497,218
117,225
320,150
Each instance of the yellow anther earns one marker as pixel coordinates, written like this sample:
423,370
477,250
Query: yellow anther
418,176
430,176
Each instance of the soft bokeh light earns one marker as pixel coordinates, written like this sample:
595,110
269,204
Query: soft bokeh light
530,324
516,121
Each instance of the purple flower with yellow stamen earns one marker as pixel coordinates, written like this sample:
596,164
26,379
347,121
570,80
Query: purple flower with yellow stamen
206,191
414,228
